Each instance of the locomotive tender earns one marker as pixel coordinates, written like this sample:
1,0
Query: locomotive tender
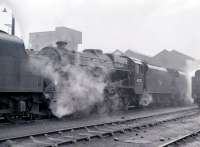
23,93
20,90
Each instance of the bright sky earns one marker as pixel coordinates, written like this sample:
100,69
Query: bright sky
146,26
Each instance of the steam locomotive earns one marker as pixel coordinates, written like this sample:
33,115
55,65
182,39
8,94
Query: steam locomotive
23,93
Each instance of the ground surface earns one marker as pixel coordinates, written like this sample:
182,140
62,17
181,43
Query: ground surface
150,137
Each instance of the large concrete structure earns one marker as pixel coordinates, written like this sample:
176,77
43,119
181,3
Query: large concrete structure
38,40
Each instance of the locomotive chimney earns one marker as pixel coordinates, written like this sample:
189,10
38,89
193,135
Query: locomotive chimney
61,44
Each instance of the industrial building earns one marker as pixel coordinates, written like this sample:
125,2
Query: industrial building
38,40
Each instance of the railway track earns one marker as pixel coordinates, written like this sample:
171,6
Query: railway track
182,139
95,131
4,123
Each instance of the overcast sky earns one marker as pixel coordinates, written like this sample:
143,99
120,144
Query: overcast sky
146,26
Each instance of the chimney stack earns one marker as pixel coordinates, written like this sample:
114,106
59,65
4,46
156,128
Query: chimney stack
61,44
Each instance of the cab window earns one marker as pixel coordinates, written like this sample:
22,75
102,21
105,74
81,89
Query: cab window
141,69
137,68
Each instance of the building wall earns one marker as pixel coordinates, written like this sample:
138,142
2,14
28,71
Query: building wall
38,40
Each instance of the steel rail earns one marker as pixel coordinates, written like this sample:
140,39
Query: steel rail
176,142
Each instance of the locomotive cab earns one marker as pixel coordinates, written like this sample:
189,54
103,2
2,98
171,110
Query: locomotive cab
140,70
128,77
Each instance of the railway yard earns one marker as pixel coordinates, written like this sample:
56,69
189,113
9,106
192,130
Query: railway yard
148,128
53,95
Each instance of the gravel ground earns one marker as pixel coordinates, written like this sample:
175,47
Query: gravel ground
50,125
195,143
152,137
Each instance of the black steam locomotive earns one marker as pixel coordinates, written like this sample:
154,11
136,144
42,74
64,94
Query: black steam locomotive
27,94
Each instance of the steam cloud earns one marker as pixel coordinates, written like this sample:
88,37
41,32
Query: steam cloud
146,99
190,68
77,89
80,92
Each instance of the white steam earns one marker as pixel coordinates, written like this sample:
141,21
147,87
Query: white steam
76,88
146,99
79,92
190,68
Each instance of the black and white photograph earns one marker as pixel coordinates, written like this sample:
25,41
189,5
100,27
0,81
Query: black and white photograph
99,73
